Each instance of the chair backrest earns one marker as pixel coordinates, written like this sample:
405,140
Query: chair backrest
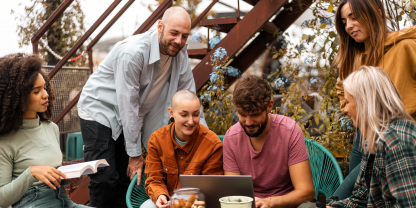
136,195
326,173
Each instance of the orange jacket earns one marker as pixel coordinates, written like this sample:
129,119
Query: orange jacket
166,160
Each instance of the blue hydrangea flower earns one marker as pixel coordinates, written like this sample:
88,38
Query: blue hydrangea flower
219,53
344,124
214,41
280,37
305,23
300,48
214,88
205,96
279,82
234,72
312,80
196,37
213,77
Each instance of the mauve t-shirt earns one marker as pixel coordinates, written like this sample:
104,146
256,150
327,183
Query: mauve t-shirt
284,146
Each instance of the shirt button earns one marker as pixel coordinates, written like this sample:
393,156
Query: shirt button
182,158
166,169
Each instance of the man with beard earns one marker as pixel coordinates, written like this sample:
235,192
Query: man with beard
271,148
125,100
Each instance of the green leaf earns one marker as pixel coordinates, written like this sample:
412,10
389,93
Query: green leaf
323,26
412,14
330,8
305,37
316,120
332,34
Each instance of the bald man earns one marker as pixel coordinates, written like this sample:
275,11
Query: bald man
122,103
184,147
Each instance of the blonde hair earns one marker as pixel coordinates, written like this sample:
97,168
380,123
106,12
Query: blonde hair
377,101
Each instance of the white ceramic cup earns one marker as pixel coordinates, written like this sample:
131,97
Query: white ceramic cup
236,202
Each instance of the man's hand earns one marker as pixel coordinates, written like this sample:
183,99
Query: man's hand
47,174
135,167
263,203
162,202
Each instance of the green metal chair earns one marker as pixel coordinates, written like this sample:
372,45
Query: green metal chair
136,195
326,173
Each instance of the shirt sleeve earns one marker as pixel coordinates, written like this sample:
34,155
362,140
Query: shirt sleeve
340,93
400,167
359,194
230,161
187,82
297,147
155,184
127,80
12,190
213,165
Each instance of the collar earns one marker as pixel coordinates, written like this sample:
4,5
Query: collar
189,145
154,47
31,123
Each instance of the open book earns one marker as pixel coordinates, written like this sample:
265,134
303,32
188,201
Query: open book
80,169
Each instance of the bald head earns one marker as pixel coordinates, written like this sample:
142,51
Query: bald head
176,14
183,96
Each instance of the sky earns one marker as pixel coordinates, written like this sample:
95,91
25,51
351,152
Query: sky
125,25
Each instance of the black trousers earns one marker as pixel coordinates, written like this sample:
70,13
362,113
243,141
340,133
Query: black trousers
109,185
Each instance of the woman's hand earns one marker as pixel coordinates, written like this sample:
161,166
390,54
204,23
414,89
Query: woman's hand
47,174
162,202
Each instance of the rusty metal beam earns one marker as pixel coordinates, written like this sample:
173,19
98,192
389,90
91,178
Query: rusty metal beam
105,29
219,21
251,2
154,17
253,51
83,39
55,15
196,20
238,36
67,108
90,63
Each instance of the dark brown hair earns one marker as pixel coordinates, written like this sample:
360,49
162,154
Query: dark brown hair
18,73
371,14
252,94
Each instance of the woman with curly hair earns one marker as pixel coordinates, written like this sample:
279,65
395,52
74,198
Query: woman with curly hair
365,40
29,141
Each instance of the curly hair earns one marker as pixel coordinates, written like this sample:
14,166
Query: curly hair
251,94
18,73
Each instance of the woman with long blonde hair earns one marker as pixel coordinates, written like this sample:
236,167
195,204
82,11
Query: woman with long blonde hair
365,40
387,176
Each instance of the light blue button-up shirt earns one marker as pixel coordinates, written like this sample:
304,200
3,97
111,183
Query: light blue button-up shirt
114,93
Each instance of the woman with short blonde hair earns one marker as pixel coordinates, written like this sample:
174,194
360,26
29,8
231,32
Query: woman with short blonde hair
388,171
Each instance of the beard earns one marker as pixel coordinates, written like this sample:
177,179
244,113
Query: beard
164,44
261,126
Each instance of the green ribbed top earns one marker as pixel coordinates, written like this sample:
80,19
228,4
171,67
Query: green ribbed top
34,144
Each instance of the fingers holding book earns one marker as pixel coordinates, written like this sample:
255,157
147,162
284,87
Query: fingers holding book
47,174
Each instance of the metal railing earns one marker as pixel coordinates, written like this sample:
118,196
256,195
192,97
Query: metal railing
67,83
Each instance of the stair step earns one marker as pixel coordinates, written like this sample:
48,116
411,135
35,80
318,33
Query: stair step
225,24
199,53
251,2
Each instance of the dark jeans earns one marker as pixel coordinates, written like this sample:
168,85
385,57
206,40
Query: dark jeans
44,196
109,185
345,189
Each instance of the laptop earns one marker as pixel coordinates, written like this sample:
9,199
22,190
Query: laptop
216,186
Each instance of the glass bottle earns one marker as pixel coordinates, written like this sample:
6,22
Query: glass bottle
187,198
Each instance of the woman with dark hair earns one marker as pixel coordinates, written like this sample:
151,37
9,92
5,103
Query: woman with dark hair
29,141
387,176
365,40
